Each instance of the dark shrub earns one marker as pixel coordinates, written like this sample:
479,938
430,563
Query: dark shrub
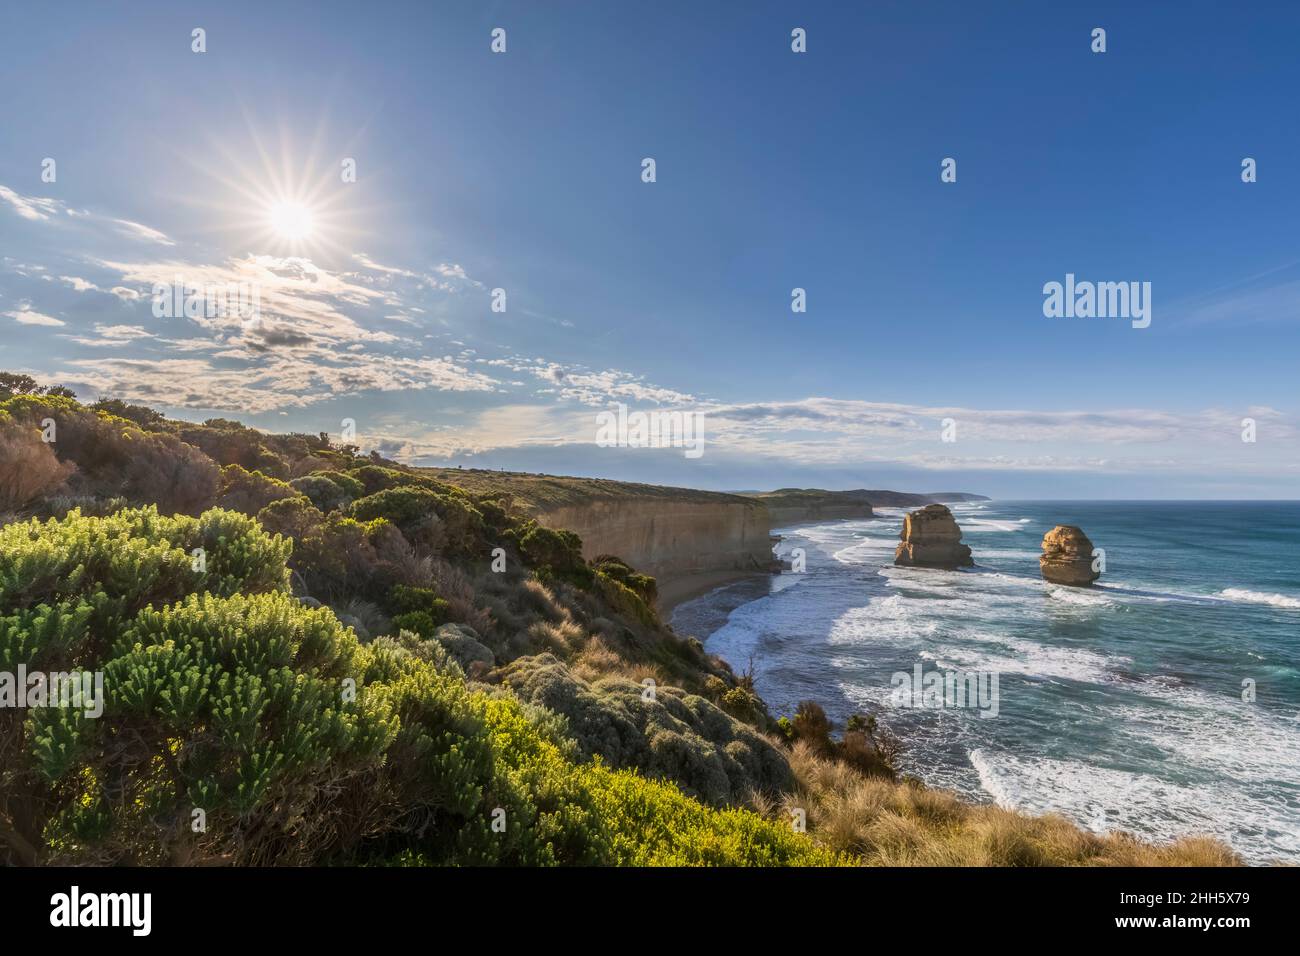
351,487
324,494
250,491
402,506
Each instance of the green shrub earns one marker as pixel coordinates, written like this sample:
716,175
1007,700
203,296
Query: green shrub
459,526
251,491
418,610
143,416
298,744
232,443
644,585
555,553
333,555
324,494
375,478
402,506
671,735
352,487
115,566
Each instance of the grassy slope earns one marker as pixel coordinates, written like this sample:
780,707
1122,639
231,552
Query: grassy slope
540,493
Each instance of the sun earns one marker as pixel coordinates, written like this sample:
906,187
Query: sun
277,194
292,221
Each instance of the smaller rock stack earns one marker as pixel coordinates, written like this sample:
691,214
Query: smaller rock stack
932,539
1067,557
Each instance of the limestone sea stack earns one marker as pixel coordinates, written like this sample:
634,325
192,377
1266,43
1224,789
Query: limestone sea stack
1067,557
932,539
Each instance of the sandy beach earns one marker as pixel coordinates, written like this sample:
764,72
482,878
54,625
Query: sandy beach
680,590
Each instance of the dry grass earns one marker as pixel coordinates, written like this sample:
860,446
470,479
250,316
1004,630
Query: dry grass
598,661
887,823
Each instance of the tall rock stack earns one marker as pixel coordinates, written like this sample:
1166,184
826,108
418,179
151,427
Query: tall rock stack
932,539
1067,557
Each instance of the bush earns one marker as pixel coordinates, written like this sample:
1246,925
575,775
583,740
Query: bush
645,586
557,554
167,472
298,744
334,556
402,506
812,726
144,417
352,487
376,478
106,570
251,491
427,517
28,468
324,494
231,443
116,457
673,735
418,610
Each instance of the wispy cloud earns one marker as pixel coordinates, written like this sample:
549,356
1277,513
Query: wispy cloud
34,208
26,315
137,230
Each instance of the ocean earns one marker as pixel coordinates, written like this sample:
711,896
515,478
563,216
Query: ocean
1164,701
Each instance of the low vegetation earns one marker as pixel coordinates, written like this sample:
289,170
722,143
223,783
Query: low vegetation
883,822
310,656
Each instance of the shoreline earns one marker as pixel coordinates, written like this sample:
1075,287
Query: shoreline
679,590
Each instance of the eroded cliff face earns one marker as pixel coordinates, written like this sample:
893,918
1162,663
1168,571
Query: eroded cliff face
669,538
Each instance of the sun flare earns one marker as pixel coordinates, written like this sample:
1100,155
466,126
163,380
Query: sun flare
292,221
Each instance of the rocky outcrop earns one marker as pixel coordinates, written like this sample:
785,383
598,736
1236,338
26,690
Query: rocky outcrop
932,539
1067,557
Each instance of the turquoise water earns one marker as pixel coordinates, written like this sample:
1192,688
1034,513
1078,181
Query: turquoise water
1120,706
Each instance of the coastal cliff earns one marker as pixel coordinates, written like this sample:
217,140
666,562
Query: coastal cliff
689,546
689,540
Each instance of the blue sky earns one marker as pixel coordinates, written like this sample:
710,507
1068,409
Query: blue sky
775,170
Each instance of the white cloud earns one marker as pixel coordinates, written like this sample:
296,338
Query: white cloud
297,300
373,266
137,230
268,382
35,208
577,384
26,315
